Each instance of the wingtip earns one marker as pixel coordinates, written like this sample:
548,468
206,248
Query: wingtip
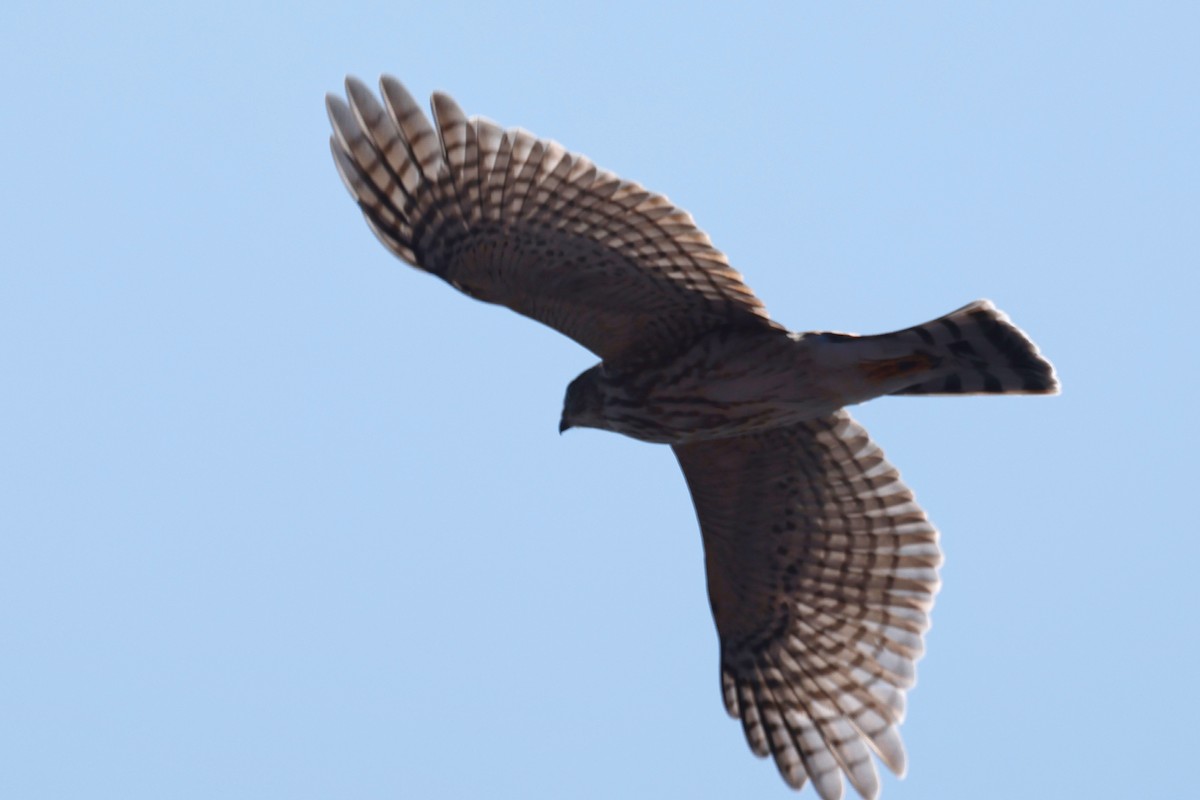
358,93
397,96
341,119
388,81
445,110
354,84
333,104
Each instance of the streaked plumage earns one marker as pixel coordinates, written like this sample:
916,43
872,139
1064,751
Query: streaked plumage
821,567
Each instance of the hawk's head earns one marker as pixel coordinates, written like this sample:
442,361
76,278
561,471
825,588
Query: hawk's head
614,400
583,407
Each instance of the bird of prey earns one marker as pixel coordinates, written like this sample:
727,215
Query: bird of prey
821,567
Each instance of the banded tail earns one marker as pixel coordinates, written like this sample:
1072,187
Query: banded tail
977,350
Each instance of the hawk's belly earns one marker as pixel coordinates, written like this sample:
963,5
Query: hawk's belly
728,383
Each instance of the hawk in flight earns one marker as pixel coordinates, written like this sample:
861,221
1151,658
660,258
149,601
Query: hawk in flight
821,567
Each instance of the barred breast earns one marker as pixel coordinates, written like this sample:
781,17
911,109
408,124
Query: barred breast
727,383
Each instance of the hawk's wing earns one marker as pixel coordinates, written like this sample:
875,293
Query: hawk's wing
515,220
821,572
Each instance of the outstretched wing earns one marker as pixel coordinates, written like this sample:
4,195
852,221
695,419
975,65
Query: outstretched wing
518,221
821,572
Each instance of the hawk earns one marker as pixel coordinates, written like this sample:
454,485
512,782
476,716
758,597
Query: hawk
821,567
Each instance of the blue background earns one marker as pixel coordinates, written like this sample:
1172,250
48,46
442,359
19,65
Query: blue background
283,517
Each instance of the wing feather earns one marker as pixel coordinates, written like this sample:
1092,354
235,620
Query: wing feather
822,571
512,219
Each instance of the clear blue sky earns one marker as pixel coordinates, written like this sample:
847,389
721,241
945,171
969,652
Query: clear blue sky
282,517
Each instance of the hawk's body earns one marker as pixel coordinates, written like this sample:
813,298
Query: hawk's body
821,568
734,381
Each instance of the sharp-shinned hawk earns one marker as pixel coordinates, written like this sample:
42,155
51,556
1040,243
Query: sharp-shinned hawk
821,567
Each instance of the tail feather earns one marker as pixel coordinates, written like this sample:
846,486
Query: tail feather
980,352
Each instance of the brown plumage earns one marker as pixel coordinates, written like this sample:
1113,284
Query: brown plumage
821,567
